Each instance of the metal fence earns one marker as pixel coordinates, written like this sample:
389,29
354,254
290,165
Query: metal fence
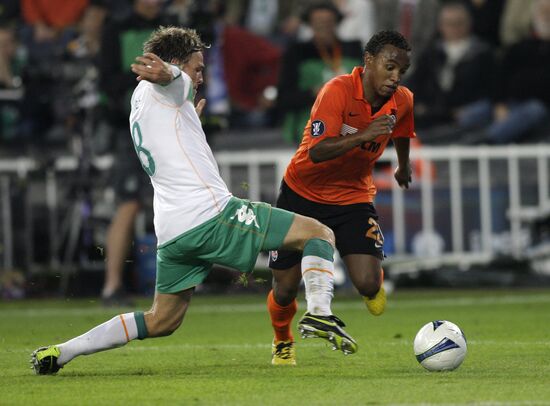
466,204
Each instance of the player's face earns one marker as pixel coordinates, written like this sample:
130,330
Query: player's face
194,68
386,69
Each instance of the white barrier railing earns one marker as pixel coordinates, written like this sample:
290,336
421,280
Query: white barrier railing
506,196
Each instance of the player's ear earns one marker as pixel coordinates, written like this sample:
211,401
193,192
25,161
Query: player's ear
368,59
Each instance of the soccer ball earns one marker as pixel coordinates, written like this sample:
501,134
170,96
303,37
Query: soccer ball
440,346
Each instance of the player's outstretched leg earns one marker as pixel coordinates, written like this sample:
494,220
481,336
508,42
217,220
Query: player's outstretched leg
113,333
163,319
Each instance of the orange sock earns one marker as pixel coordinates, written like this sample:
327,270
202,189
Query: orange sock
281,317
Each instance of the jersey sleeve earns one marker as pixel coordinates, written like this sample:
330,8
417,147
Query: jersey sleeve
327,113
404,128
179,89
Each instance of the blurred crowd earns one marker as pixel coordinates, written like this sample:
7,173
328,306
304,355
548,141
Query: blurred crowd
479,67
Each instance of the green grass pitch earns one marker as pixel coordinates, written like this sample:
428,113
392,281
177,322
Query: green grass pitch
221,355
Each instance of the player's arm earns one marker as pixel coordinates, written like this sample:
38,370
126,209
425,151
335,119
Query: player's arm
401,137
153,69
334,147
403,171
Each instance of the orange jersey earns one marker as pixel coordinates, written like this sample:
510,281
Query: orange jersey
341,110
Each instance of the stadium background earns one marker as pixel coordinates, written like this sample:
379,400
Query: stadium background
470,241
477,204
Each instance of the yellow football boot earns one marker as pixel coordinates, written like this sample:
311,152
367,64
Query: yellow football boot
377,304
283,353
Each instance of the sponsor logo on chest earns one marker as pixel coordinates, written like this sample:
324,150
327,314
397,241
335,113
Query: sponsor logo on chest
347,130
370,146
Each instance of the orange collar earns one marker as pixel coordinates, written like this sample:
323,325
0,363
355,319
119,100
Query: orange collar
357,82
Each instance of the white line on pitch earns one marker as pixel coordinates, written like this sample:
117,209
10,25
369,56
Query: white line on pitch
261,307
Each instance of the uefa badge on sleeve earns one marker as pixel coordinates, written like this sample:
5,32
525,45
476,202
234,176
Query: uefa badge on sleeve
317,128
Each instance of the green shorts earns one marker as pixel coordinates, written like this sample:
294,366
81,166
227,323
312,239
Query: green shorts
233,238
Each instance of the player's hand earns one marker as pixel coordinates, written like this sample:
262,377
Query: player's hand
382,125
200,106
403,176
153,69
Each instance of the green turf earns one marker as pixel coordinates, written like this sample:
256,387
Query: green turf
221,355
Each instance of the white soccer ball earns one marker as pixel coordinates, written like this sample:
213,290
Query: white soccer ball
440,346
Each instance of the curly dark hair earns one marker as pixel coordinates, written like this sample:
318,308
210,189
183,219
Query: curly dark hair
386,37
178,43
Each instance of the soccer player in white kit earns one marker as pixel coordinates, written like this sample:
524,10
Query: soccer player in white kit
197,220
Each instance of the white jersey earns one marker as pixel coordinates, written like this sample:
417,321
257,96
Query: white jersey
172,148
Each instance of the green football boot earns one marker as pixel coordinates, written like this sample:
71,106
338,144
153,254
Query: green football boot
44,360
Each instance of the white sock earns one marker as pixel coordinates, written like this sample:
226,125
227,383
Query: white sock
318,275
113,333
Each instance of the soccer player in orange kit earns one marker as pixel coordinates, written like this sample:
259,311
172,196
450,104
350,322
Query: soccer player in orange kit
330,179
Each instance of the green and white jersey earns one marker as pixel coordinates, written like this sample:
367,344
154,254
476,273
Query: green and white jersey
171,145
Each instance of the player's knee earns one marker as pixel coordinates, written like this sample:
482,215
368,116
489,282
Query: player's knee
369,285
322,232
329,235
284,294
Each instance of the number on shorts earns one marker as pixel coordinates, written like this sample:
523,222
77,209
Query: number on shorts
375,232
